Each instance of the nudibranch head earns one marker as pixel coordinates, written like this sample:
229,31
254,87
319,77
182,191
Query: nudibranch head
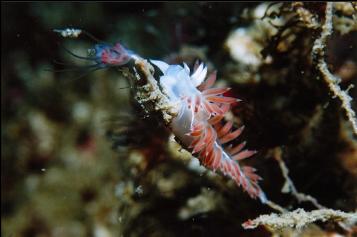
109,55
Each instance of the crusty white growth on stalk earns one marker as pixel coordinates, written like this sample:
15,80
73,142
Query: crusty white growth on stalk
300,218
148,93
319,52
69,32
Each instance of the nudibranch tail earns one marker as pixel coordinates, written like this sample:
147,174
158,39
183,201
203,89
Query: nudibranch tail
200,126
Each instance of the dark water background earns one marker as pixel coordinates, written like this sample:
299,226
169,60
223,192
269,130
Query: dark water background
67,172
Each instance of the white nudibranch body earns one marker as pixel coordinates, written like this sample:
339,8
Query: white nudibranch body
181,88
199,126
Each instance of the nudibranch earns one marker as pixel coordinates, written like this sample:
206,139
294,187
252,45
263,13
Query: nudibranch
193,110
199,125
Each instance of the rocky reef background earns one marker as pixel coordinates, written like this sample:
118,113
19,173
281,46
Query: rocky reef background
80,158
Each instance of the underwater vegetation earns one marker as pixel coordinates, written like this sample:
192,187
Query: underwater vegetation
126,119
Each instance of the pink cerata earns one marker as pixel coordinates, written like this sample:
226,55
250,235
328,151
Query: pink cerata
199,126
